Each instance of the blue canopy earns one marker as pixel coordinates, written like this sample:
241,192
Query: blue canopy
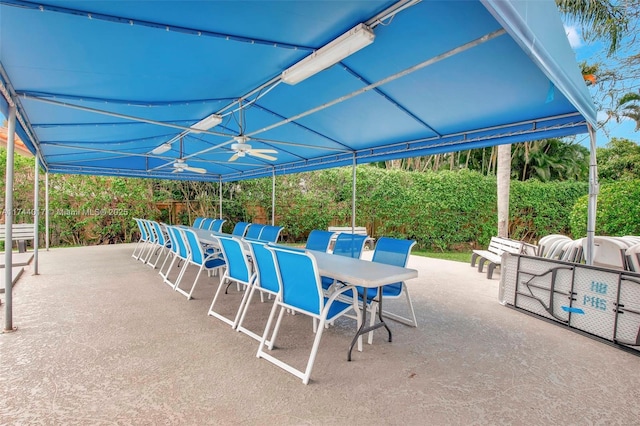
101,85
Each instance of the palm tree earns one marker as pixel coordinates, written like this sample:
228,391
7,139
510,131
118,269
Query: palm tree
549,159
630,104
600,19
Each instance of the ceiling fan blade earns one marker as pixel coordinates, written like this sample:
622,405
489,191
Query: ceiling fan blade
255,153
234,157
195,169
265,151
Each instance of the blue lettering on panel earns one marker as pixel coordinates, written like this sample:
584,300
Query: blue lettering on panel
594,302
597,287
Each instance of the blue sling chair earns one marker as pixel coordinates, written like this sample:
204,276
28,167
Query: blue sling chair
199,258
319,240
301,292
239,271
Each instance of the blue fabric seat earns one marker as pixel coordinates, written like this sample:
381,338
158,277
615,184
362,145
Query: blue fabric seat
254,231
319,240
240,229
206,223
216,225
197,222
301,292
270,233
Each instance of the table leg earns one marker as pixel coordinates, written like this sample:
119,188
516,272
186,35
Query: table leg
362,324
363,328
382,321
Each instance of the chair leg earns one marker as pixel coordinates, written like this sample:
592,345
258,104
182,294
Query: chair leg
304,375
245,330
239,327
163,251
314,352
149,253
142,251
243,302
410,303
193,286
170,254
267,328
180,275
140,241
166,274
272,342
213,313
412,322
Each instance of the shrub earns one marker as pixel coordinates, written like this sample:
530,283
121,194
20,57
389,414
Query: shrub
618,210
539,208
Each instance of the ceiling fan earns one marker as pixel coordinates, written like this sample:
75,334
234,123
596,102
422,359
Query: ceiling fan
181,166
242,148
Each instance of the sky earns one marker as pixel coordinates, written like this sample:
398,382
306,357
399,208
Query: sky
593,52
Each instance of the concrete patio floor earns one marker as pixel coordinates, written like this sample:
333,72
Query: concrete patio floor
101,340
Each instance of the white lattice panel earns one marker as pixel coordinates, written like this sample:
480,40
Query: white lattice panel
628,325
596,294
508,271
535,284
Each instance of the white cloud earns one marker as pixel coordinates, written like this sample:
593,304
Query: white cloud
602,116
573,35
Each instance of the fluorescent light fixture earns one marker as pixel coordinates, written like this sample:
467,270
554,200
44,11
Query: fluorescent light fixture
348,43
162,148
206,123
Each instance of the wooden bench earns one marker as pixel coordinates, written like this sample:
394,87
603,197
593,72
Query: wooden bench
358,230
21,232
493,255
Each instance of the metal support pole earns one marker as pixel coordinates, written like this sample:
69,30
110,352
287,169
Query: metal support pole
46,210
220,193
594,188
36,215
353,195
273,197
8,223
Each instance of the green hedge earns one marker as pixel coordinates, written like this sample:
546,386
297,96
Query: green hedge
539,208
618,210
441,211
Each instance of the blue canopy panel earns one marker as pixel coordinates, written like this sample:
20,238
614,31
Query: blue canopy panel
4,109
103,85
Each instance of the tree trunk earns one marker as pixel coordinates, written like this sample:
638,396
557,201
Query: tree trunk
504,176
